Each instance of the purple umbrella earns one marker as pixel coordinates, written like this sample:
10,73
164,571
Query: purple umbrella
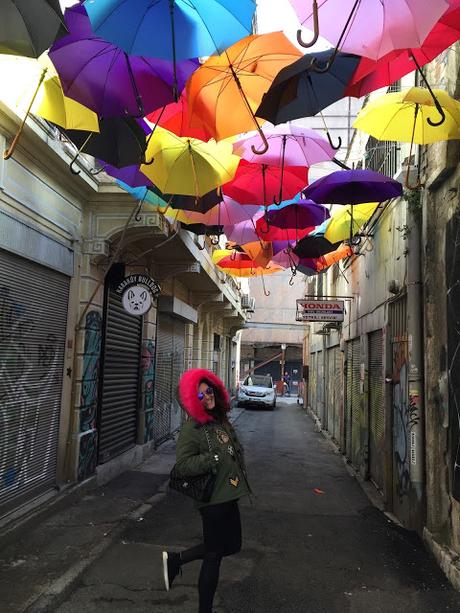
243,232
353,187
131,175
299,214
106,79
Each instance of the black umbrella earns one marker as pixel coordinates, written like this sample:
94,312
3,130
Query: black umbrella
314,247
190,203
305,87
120,142
202,229
29,27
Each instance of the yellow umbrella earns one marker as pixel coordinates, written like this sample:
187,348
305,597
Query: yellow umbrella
188,166
32,86
347,221
408,116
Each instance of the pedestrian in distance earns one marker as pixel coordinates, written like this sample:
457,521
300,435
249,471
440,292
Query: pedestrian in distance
208,443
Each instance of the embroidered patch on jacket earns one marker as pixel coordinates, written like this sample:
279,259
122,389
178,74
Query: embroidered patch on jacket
234,481
222,436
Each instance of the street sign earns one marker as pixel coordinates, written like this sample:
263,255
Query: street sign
320,310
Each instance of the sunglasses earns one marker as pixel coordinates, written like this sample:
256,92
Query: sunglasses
208,392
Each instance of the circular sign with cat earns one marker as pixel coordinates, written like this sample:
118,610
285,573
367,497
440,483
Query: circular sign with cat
137,293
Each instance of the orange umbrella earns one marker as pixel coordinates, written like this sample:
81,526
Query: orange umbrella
240,264
260,252
227,89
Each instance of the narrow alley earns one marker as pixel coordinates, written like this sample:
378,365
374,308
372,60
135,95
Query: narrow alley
312,541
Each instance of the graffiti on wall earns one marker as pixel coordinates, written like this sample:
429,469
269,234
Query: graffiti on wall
30,358
89,395
148,384
405,417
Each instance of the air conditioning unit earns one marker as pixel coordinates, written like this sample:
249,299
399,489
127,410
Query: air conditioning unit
248,303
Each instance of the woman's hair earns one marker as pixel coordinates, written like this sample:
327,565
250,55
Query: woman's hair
221,402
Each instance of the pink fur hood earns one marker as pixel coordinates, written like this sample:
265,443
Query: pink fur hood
188,393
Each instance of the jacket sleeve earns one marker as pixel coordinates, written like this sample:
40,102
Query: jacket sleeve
190,461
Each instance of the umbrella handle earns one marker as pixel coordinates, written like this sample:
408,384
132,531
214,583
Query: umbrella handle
71,167
315,67
291,280
301,42
339,163
149,163
95,172
339,141
440,111
265,144
233,255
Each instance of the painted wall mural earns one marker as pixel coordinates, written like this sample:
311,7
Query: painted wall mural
89,395
148,385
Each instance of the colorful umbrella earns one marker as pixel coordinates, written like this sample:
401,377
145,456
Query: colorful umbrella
121,142
226,90
311,266
29,27
175,118
131,175
244,231
261,183
346,221
227,213
299,91
289,145
260,252
144,194
353,187
202,205
372,28
201,229
188,166
240,264
314,247
371,75
291,222
409,116
106,79
171,29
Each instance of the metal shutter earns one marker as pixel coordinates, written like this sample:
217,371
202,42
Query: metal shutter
120,379
353,401
33,317
312,382
169,367
376,408
334,386
320,386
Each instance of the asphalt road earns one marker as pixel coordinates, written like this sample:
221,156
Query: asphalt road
312,542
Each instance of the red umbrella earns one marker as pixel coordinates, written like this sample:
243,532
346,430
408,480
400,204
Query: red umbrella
371,75
175,118
292,222
260,183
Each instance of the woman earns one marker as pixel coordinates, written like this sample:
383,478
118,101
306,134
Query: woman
204,397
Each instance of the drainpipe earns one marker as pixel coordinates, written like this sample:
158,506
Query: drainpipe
415,378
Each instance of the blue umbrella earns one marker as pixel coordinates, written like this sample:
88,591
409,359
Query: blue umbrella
171,29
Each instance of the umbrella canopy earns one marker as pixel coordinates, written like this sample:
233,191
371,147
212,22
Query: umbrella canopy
353,187
405,116
201,229
260,252
177,29
121,141
226,90
106,79
131,175
372,28
29,27
29,79
175,118
227,213
314,247
202,205
261,183
188,166
289,145
310,266
244,231
298,91
347,221
240,264
144,194
373,74
291,222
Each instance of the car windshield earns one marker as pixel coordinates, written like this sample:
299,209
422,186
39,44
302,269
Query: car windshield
259,380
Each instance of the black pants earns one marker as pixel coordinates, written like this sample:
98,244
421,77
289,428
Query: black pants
221,537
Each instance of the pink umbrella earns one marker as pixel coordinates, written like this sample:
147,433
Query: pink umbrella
227,212
370,28
288,146
245,231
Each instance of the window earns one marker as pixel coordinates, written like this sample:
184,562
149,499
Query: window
216,342
259,380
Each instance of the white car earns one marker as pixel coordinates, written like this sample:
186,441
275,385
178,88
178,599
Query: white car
257,390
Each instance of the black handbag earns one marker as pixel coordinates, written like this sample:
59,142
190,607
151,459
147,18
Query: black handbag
199,487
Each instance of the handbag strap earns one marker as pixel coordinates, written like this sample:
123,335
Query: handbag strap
208,438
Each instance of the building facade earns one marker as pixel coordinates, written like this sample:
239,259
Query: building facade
88,389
